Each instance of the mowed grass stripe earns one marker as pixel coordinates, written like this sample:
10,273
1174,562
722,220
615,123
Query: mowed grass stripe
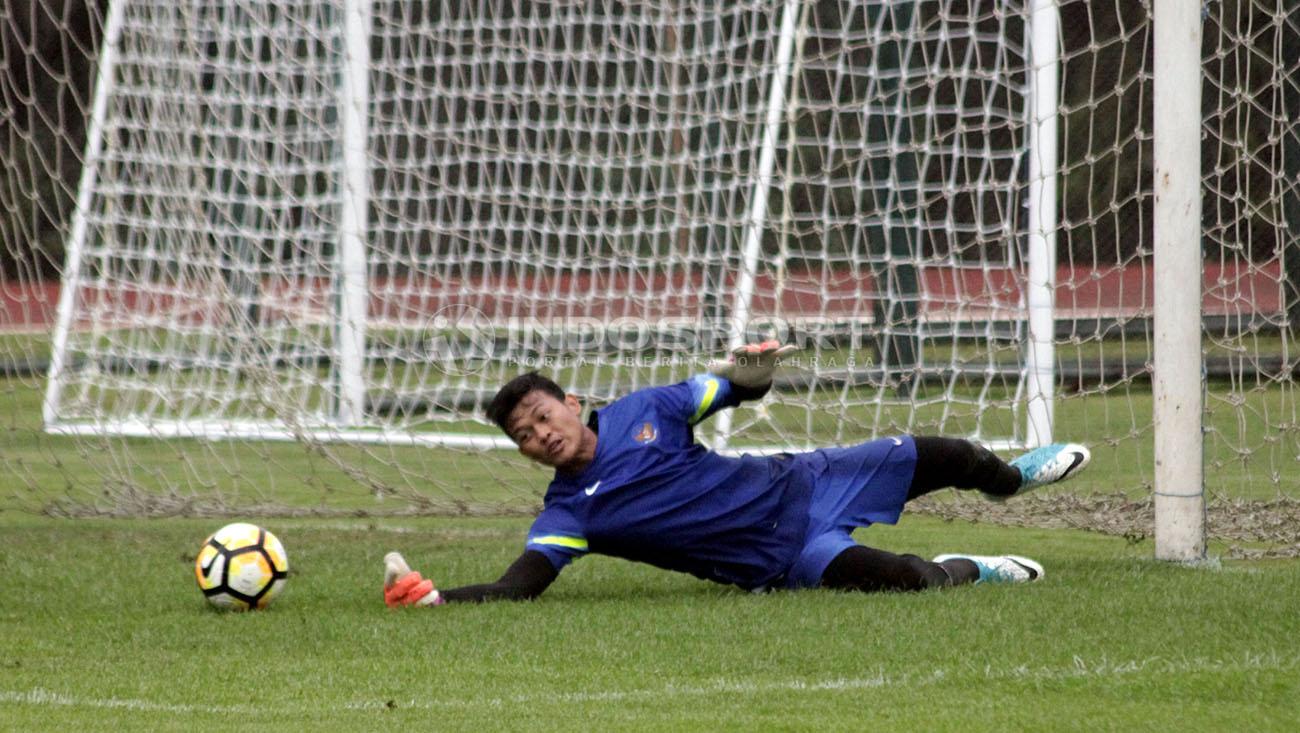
1081,669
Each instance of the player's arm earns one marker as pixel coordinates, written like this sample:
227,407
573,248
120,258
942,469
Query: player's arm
746,375
525,579
554,540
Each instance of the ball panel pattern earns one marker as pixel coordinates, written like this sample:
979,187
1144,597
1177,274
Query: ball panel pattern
241,566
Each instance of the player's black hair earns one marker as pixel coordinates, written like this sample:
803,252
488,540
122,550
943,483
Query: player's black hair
515,390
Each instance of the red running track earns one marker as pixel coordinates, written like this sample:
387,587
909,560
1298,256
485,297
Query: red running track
950,294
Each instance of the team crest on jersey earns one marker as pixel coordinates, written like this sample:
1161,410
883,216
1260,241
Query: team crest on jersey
647,434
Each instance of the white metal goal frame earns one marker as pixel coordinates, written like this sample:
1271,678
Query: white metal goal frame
1179,496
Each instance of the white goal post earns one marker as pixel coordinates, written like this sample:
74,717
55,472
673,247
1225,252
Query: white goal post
1178,381
330,221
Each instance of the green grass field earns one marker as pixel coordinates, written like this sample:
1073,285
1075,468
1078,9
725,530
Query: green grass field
102,627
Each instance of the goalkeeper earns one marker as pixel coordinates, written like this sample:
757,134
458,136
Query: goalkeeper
632,482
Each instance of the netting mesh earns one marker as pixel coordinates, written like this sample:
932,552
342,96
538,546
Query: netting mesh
578,180
1251,168
570,187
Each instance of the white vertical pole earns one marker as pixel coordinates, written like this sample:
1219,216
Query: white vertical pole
1179,474
354,103
756,221
85,188
1040,357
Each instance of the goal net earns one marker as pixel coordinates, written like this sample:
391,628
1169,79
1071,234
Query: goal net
305,241
326,221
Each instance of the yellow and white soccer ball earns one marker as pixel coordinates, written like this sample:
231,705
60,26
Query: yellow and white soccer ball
241,566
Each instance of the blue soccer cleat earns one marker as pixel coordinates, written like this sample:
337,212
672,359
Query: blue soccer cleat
1001,568
1048,465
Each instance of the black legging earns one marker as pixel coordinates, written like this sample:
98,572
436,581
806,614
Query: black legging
961,464
940,463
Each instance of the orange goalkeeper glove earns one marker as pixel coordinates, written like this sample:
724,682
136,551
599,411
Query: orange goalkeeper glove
405,587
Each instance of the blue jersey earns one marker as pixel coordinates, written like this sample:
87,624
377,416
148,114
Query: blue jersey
654,495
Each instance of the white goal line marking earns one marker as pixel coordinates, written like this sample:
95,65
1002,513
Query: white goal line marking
1080,669
45,698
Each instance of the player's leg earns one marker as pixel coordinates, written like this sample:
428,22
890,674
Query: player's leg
868,569
944,462
961,464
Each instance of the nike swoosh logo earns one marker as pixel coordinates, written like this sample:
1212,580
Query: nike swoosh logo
897,441
591,489
1033,574
212,561
1078,458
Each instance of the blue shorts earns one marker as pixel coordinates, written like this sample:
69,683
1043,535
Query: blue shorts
852,487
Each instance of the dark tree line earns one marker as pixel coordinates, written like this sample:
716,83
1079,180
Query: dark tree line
1251,150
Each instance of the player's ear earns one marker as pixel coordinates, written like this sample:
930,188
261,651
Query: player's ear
571,401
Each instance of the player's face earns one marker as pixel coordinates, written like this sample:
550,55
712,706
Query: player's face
550,431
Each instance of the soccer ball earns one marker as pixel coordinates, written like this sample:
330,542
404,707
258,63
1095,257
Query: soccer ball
241,566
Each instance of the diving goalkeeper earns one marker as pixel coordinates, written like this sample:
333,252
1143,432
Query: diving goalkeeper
631,482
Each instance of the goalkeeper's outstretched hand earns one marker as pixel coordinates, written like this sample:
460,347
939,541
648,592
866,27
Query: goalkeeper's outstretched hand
405,587
752,365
